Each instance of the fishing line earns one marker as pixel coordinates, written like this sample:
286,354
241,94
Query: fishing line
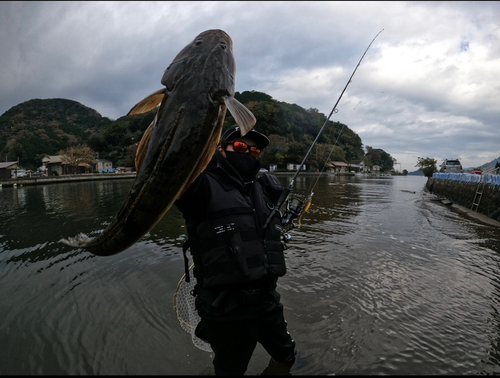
313,185
286,191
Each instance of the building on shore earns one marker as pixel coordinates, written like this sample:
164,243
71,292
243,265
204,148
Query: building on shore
9,169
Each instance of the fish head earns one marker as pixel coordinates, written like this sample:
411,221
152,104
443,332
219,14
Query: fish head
211,52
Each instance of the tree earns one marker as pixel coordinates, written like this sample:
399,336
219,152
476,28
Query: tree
428,166
377,156
275,152
73,156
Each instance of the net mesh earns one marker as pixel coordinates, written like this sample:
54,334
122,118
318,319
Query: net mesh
185,310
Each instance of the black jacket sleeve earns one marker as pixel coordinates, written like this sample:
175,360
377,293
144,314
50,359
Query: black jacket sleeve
194,200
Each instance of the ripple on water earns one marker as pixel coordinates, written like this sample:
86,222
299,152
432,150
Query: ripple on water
380,281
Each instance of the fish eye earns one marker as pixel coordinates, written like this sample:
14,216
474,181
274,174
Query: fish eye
223,45
198,42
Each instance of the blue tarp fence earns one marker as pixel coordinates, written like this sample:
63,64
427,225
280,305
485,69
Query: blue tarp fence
109,170
468,177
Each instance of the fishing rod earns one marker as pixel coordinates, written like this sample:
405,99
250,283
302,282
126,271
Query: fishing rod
294,208
309,198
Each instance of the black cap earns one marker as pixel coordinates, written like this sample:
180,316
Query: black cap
234,133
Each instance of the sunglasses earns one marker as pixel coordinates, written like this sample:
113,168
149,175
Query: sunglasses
242,147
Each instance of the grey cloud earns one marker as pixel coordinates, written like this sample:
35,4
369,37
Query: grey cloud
109,55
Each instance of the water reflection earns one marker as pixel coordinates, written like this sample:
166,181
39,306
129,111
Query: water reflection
381,280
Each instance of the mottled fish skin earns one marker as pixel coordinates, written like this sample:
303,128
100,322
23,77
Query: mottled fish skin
177,146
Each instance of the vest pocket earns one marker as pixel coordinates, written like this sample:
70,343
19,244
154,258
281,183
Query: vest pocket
234,250
219,267
275,257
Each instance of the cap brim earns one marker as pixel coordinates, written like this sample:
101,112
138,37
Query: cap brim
260,139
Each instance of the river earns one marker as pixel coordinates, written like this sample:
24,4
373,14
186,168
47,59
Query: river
382,279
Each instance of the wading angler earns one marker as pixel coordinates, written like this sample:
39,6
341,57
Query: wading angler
238,261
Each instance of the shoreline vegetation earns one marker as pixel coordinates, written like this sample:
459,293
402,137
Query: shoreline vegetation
47,127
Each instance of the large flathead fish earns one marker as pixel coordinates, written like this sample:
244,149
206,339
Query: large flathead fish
179,143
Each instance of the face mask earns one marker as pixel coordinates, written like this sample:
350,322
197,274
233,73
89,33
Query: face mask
246,165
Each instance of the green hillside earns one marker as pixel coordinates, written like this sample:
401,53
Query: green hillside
36,128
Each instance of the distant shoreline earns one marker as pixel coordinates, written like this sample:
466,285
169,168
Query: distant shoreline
23,181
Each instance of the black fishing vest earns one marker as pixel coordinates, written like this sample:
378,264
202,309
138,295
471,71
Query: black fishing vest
228,245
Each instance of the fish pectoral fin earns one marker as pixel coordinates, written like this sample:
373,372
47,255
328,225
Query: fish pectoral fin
143,145
149,103
243,117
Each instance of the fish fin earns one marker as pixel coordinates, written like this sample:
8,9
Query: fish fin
149,103
143,145
243,117
80,240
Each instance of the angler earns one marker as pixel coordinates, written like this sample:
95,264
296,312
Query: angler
235,265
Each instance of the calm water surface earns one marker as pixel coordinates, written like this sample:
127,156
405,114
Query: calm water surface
382,280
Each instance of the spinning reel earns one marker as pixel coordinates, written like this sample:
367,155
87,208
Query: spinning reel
294,207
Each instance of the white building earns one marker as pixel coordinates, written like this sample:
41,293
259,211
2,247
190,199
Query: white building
294,167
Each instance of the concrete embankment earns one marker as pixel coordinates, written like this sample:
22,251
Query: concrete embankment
65,178
462,191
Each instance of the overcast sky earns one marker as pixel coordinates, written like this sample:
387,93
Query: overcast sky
429,86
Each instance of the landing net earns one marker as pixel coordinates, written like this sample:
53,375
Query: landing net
185,310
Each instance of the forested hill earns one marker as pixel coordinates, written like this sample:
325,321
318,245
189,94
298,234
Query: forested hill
36,128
